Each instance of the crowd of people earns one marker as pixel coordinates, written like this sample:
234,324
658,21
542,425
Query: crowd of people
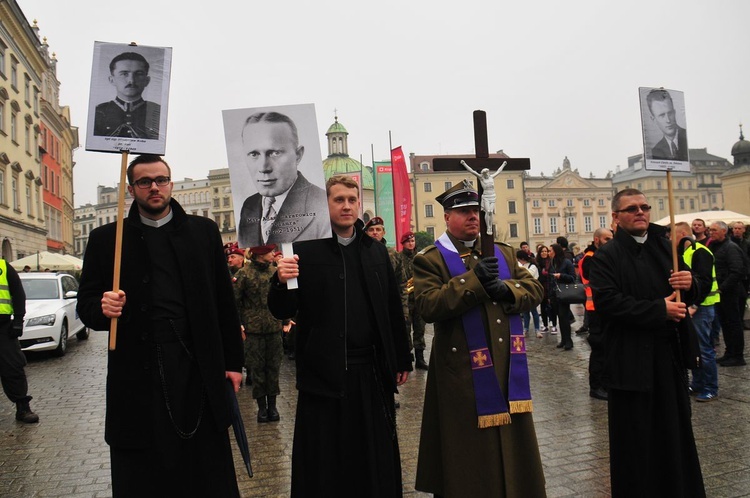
190,322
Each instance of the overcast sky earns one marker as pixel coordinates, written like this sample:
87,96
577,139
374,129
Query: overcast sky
556,78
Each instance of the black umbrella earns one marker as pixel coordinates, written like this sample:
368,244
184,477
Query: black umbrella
239,428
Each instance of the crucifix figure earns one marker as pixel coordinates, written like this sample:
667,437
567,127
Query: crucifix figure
480,166
487,181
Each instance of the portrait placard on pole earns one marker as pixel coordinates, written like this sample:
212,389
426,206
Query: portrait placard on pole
276,173
129,98
665,146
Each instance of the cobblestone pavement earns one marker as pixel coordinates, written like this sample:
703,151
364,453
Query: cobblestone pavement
65,454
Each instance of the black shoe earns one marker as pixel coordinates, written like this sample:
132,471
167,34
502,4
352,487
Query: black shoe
733,362
582,330
24,413
262,410
568,347
273,413
599,393
721,359
420,364
560,345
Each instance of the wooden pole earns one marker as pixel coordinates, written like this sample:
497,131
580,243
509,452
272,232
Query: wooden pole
673,229
118,242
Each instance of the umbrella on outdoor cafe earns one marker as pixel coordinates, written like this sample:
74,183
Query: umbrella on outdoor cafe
239,428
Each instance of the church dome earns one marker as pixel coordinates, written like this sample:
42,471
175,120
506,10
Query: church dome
336,127
336,165
741,147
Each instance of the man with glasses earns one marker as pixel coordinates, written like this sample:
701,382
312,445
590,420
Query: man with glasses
652,448
178,342
730,270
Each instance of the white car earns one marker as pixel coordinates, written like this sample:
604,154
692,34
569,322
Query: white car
50,312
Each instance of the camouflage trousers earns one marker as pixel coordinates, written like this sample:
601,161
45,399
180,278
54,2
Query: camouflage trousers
263,353
414,321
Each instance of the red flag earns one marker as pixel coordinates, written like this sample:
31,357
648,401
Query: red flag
401,195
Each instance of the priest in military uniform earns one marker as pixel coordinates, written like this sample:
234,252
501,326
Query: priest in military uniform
478,436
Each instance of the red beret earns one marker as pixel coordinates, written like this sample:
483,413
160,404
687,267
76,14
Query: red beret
375,220
406,236
261,250
233,248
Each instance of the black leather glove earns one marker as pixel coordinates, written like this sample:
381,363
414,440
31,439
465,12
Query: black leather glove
487,270
16,330
497,289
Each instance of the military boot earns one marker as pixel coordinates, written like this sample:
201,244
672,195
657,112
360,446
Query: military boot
24,413
420,363
262,410
273,413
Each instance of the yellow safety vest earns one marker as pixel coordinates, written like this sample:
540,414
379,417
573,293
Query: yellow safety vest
713,297
6,304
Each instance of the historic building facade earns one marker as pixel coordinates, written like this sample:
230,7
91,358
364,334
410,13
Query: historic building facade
568,205
735,181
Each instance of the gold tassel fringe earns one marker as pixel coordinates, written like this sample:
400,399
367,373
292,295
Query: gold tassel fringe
486,421
521,406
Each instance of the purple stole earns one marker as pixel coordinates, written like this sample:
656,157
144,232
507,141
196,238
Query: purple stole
492,407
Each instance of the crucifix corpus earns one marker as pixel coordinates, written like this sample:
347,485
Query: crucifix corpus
482,166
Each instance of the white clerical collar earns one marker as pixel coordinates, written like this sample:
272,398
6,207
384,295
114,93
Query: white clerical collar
157,223
469,243
640,238
345,241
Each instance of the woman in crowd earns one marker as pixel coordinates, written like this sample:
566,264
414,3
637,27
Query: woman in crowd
527,262
561,271
549,319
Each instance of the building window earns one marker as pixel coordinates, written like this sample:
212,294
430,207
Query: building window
448,185
27,139
14,73
14,189
682,203
639,186
226,202
713,198
428,211
513,230
602,222
2,117
36,101
586,202
509,183
570,203
690,185
587,225
511,207
601,202
535,203
692,204
13,122
571,224
424,166
431,232
553,224
537,226
661,204
2,187
551,203
679,184
3,48
427,187
216,203
27,89
658,184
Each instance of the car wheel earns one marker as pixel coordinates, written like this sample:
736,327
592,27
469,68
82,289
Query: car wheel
62,346
83,334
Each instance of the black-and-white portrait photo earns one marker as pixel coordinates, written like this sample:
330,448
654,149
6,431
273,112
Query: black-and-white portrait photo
129,98
664,129
276,173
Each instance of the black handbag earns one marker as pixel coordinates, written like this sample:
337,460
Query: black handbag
570,293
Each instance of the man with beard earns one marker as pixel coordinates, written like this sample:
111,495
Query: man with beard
651,444
178,342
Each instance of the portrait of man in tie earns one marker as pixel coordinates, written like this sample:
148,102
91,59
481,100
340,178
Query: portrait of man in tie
286,206
665,139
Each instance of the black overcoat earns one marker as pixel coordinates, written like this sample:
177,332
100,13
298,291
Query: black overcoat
209,301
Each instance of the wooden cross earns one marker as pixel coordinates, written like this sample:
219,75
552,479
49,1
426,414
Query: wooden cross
478,163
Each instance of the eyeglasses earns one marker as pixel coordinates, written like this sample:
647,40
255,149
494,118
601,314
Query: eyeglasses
634,209
144,183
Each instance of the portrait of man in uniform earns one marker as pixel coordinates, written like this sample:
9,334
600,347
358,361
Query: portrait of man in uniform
281,204
129,98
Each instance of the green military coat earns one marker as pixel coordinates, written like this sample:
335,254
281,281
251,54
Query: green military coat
456,458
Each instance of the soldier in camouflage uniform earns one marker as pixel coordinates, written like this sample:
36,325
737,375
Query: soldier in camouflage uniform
413,318
263,343
375,228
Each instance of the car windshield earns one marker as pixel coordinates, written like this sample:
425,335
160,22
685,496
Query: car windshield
40,289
